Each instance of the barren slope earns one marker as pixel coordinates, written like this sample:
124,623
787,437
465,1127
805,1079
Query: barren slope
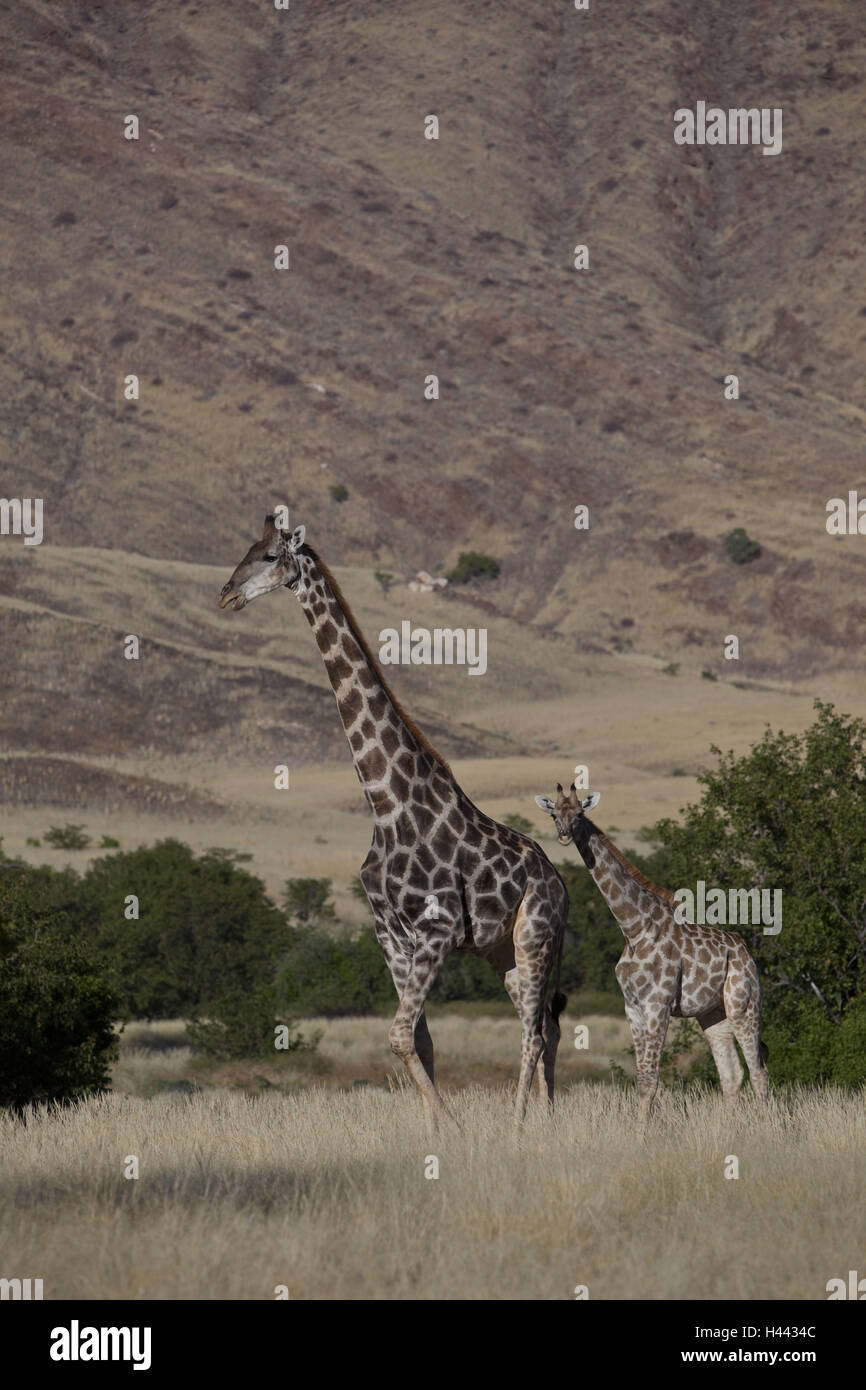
408,257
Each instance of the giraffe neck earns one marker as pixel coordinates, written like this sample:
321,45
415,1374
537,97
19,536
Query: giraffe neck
630,901
389,757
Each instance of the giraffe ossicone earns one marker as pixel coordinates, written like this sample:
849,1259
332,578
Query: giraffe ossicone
441,875
669,968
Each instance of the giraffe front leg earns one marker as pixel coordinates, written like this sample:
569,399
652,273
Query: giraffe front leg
402,1042
635,1022
410,1040
655,1032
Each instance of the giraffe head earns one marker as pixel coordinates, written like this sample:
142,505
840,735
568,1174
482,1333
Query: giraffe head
268,564
567,809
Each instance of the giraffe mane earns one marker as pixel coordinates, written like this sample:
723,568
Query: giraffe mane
363,644
664,893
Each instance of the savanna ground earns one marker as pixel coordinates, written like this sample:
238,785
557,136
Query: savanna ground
258,1175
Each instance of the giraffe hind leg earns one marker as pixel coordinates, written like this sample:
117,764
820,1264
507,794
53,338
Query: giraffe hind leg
743,1007
546,1073
511,980
747,1029
533,958
719,1033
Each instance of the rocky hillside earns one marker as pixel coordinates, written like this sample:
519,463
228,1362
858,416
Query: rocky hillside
558,387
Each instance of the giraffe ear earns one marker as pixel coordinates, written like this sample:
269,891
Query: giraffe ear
545,803
592,800
296,540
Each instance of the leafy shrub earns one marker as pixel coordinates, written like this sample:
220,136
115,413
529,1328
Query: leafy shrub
339,492
206,928
473,565
56,1011
791,815
464,976
67,837
518,822
306,900
334,976
242,1025
740,548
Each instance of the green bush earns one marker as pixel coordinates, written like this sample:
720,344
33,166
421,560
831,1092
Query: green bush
333,976
56,1010
791,815
243,1025
339,492
518,822
464,976
473,565
306,900
740,548
67,837
206,928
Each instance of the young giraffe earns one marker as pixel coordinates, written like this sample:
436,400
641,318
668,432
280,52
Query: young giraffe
669,967
440,875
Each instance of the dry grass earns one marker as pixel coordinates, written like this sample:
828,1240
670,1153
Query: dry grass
471,1048
324,1191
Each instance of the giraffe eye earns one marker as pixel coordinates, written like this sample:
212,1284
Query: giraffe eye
271,558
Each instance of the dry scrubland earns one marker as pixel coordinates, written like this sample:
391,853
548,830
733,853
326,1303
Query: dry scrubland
471,1047
254,1174
324,1191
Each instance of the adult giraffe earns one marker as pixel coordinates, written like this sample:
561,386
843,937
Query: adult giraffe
440,875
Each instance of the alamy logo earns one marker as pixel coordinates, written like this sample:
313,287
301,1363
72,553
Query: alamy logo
22,1289
738,907
736,126
855,1288
846,521
444,646
75,1343
22,516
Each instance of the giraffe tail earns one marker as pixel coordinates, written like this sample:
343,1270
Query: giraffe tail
557,1004
559,1000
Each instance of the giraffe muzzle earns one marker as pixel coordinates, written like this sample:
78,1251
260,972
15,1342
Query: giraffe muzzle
231,598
